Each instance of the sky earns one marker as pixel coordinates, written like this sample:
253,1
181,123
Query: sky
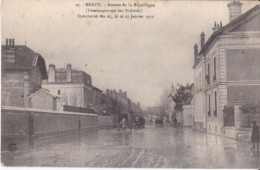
142,57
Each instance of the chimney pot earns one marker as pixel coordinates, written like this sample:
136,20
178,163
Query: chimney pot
13,42
6,42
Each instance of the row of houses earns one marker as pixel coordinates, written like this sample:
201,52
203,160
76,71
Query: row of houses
27,83
226,68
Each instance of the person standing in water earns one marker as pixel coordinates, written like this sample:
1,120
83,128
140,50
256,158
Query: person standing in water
255,135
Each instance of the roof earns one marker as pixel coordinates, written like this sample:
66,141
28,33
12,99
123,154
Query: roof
25,59
45,91
65,70
77,76
97,89
227,27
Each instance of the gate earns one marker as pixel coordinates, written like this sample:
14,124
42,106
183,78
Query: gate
31,129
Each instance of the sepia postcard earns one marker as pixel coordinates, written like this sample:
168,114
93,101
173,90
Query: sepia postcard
130,84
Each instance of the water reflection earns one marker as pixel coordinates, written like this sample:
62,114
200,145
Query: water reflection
229,143
151,147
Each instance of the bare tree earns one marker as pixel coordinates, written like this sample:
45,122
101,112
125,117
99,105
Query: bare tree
73,98
165,100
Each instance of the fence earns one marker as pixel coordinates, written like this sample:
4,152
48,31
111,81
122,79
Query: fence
247,119
229,116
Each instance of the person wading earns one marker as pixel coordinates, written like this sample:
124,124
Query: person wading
255,135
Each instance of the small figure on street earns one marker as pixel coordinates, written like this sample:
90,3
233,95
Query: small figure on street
255,135
123,123
175,122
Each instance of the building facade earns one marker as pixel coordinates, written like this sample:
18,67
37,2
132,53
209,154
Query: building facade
226,69
73,86
22,73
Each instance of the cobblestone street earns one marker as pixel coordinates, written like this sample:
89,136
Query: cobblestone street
165,147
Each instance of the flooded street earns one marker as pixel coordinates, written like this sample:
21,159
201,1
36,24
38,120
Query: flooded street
151,147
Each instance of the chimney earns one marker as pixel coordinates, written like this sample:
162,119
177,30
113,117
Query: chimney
125,94
114,93
107,92
195,53
234,10
26,89
9,52
12,42
51,73
217,26
68,75
120,91
202,39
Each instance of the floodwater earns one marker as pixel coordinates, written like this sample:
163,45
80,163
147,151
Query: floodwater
151,147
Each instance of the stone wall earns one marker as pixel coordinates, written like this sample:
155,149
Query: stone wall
230,132
105,121
22,125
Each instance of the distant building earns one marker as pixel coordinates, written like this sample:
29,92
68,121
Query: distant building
99,102
136,109
118,103
227,67
154,112
73,86
22,73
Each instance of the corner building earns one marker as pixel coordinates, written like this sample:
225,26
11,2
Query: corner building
226,69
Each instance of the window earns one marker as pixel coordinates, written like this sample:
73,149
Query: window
214,77
216,129
209,106
215,111
208,76
58,92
